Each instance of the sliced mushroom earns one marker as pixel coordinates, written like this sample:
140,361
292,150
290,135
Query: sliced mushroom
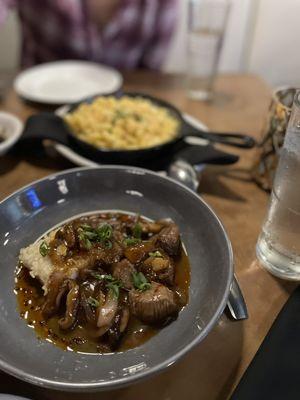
118,235
68,235
94,274
169,239
147,227
80,261
62,291
55,290
154,305
57,256
107,311
118,327
151,227
124,319
107,255
87,291
72,304
123,271
138,252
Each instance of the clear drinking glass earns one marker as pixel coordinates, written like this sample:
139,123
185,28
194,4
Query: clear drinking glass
278,246
206,25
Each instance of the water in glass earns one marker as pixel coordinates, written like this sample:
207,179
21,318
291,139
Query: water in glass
278,247
206,26
204,51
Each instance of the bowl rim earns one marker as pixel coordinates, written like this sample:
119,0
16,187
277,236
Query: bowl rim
14,135
124,381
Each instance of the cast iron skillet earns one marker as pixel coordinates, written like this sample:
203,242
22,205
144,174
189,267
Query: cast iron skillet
52,126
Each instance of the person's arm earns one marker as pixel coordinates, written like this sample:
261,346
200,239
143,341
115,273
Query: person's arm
5,5
166,20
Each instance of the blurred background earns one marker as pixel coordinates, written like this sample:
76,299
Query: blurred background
260,38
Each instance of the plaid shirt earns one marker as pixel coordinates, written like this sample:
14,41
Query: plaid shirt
138,35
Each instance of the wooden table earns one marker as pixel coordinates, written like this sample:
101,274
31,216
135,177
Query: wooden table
211,370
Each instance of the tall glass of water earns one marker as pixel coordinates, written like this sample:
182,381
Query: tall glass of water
206,25
278,247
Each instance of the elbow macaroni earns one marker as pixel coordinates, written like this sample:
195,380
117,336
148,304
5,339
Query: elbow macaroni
128,123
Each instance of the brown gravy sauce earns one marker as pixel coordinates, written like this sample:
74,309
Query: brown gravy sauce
31,299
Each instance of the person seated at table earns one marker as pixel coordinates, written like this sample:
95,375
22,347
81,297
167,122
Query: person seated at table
125,34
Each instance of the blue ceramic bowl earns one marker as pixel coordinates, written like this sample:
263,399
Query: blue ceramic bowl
34,209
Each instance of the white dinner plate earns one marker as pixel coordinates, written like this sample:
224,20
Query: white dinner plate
82,161
63,82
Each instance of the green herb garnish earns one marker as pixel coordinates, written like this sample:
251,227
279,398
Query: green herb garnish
112,284
90,235
97,276
83,235
93,302
101,234
108,244
118,115
131,241
137,117
140,282
156,254
114,287
101,277
44,249
104,232
137,231
86,227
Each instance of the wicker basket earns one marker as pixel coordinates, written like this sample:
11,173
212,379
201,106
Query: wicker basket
273,133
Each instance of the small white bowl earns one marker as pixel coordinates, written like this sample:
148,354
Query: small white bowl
11,129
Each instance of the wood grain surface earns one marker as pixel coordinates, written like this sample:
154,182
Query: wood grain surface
210,371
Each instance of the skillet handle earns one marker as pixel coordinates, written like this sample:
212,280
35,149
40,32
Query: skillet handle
45,126
230,139
233,139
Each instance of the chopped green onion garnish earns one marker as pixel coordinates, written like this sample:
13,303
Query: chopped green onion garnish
93,302
112,284
86,227
97,276
104,232
114,287
44,249
156,254
87,235
131,241
106,277
137,231
108,244
140,282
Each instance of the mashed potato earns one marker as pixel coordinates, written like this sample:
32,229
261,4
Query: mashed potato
39,267
127,123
